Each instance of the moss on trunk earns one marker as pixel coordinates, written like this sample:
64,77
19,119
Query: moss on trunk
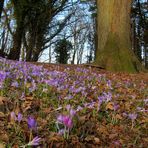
115,57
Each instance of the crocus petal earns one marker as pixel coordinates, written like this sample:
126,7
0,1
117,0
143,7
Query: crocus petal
72,112
13,116
19,118
60,118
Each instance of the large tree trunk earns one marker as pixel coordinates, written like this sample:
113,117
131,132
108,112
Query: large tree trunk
114,44
19,13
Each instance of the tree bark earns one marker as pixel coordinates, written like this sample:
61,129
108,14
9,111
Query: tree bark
17,42
19,13
114,44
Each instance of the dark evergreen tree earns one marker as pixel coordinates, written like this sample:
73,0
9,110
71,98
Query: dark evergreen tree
62,50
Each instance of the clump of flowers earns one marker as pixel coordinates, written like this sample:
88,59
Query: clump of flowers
15,117
15,120
66,121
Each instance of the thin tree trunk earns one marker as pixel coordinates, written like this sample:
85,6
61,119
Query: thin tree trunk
146,57
96,32
74,52
31,47
17,42
38,49
1,7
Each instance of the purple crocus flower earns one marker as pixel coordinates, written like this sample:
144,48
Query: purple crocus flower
72,112
67,121
16,118
109,84
79,108
60,118
32,124
34,142
61,132
68,107
100,99
132,116
22,96
15,84
116,106
117,143
69,97
13,116
124,114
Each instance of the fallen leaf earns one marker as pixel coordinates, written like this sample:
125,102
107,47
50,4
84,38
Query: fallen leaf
144,120
4,137
1,100
2,145
2,115
15,146
145,139
2,104
118,116
96,140
89,138
110,106
27,104
56,138
103,130
112,136
82,118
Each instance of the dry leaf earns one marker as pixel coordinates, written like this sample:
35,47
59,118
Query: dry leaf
47,110
55,138
2,145
103,130
89,138
4,137
118,116
110,106
28,85
27,104
1,100
145,139
96,140
112,136
2,115
15,146
2,104
82,118
144,120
